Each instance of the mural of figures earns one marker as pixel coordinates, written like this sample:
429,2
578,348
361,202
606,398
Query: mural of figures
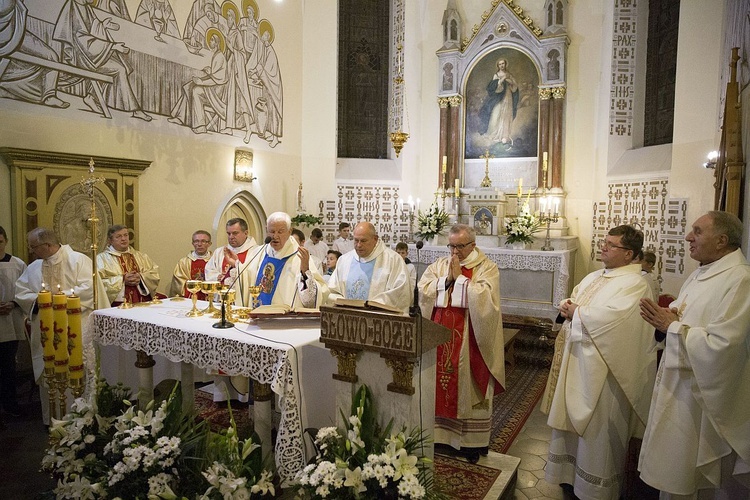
229,81
87,44
159,16
502,105
24,80
204,96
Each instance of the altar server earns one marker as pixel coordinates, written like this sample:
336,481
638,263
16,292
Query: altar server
343,244
11,327
697,441
371,272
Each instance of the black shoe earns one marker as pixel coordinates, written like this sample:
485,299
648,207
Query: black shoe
472,455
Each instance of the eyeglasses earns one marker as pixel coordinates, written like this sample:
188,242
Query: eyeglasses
460,246
602,244
34,247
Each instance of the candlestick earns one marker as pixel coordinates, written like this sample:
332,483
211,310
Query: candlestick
75,337
520,187
60,330
458,189
445,164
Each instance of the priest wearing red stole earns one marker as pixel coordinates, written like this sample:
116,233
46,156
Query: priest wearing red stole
127,274
192,266
221,266
462,293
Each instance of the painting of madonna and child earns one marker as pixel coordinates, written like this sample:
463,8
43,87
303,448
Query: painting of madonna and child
502,106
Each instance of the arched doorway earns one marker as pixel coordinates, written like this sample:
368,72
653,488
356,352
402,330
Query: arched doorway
245,206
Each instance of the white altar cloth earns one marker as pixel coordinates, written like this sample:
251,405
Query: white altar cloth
285,353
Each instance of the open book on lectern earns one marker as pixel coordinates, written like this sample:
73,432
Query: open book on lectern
367,304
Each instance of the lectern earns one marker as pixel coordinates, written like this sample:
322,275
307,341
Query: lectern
393,354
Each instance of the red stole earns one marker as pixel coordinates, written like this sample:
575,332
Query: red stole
197,272
128,264
225,267
447,386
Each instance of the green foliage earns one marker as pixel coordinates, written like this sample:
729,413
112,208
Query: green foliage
308,219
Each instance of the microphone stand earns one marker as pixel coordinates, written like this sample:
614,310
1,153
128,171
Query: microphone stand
228,324
414,310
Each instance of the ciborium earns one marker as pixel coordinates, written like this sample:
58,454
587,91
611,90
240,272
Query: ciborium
210,288
193,286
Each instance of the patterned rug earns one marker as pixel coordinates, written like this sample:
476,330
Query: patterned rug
461,480
218,417
510,410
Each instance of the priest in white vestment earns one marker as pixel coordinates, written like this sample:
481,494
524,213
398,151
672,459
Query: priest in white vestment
697,442
127,274
371,272
192,266
462,293
606,373
283,270
55,265
240,247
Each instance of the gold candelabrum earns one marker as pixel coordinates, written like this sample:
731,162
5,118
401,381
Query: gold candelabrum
547,213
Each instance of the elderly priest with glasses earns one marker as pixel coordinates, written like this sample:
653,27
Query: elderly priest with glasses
462,293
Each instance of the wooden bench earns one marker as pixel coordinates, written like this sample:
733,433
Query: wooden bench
509,335
96,79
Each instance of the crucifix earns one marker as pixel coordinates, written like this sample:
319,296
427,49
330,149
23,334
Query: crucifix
486,182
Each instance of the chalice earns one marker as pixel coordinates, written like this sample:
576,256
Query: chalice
193,286
210,288
254,293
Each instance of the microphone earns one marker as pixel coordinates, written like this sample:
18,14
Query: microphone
245,264
414,310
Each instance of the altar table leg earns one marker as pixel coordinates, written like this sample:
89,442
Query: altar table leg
262,415
145,364
188,386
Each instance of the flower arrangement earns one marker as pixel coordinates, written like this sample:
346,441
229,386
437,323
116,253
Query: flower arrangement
522,227
308,219
432,222
105,448
365,462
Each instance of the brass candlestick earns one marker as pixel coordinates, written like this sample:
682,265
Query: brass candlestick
49,377
61,380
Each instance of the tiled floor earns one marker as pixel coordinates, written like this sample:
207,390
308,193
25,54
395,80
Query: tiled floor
531,446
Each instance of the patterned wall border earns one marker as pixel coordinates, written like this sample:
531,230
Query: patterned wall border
623,68
645,204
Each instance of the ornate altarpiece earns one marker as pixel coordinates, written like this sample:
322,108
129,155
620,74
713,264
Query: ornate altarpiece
46,191
504,26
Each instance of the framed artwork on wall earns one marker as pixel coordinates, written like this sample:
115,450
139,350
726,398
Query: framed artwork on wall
502,106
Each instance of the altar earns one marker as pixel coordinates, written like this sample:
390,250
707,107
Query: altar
284,353
532,282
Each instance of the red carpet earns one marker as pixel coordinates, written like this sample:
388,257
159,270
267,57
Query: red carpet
461,480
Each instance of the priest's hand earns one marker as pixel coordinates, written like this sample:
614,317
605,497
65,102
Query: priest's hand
568,309
132,278
659,317
455,268
230,257
304,257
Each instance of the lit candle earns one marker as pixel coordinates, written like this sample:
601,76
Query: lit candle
544,161
417,204
557,206
60,329
520,187
75,336
46,321
458,189
445,164
401,204
543,204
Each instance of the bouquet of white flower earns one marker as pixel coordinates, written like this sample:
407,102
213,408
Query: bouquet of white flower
432,222
522,227
365,463
105,448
